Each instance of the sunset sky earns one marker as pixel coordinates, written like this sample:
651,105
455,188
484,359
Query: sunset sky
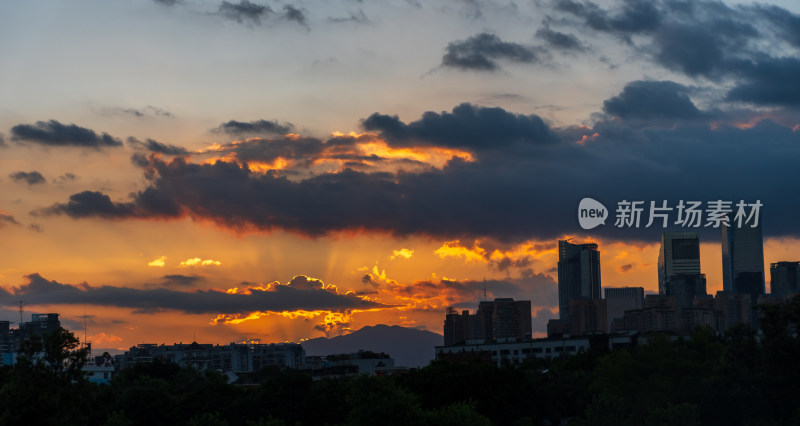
238,170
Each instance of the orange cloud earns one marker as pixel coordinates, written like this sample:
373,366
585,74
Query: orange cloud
159,263
455,249
103,338
403,252
196,261
520,255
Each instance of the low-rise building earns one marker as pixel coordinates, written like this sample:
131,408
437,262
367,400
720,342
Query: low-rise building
517,351
350,365
234,357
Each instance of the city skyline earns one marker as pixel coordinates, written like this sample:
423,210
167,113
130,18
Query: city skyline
237,170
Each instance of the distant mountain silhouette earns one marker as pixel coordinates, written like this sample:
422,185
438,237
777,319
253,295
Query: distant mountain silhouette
408,346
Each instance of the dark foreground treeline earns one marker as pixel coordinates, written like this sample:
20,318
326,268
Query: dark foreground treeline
735,379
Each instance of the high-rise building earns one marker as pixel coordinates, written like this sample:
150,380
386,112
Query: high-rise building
455,326
679,255
685,288
6,342
733,309
587,316
784,278
498,319
511,318
619,300
39,325
679,268
743,260
578,274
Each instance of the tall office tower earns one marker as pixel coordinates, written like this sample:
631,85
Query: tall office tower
743,260
578,274
587,316
679,255
456,327
733,309
685,287
511,318
6,343
784,278
498,319
619,300
39,325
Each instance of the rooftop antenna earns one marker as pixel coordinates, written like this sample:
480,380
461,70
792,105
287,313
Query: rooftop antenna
21,303
484,289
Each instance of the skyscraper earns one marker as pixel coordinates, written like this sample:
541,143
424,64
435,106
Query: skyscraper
578,274
619,300
784,278
501,318
743,260
587,316
679,255
456,326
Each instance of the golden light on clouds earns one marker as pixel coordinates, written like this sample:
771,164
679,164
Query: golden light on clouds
196,261
455,249
159,263
403,253
103,339
434,156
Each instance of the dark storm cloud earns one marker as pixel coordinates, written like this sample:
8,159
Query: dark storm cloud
742,44
699,38
786,24
558,40
467,126
97,204
41,291
239,128
178,280
513,192
711,49
291,13
267,150
143,112
168,2
155,146
31,178
244,11
772,81
482,51
635,16
53,133
88,204
6,219
651,100
66,177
